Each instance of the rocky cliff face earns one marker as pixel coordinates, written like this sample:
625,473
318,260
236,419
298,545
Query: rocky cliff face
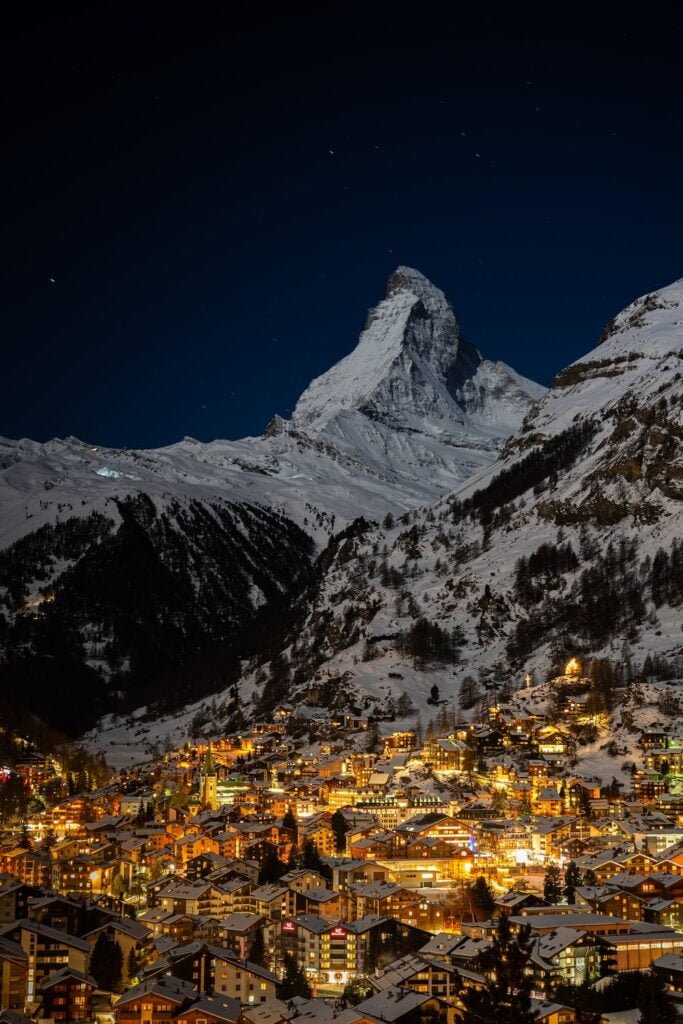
414,400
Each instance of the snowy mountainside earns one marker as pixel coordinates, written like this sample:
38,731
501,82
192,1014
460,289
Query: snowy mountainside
227,529
552,551
571,544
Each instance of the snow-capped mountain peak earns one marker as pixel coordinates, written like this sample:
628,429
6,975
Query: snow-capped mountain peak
412,373
413,326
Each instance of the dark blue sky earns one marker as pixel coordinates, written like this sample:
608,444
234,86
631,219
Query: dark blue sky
172,172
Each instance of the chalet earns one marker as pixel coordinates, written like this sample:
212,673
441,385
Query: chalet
399,1006
669,968
303,879
564,956
213,968
14,900
316,901
66,995
269,900
664,912
608,899
203,864
236,932
211,1009
447,754
29,866
515,901
155,999
346,872
380,898
420,974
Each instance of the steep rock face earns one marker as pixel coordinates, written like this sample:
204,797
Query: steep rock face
414,399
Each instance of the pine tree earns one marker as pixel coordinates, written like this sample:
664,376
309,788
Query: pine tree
289,821
118,885
372,739
257,949
100,962
372,951
506,994
106,963
585,803
654,1002
116,965
340,827
552,885
271,869
356,990
294,980
572,879
293,858
310,858
469,693
49,840
132,965
482,898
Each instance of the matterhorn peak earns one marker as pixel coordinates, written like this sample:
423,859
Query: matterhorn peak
414,324
412,374
407,279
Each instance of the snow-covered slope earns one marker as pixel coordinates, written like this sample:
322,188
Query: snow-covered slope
410,413
586,494
567,545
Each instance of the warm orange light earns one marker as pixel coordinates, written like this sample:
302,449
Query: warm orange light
573,667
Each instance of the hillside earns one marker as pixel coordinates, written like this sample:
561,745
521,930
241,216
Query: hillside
130,577
568,545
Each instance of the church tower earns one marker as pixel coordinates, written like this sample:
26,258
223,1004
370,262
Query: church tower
208,783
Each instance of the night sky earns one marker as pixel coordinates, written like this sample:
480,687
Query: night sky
201,203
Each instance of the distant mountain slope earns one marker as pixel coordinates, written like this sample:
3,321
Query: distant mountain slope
120,568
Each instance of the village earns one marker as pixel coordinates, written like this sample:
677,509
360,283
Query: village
251,879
